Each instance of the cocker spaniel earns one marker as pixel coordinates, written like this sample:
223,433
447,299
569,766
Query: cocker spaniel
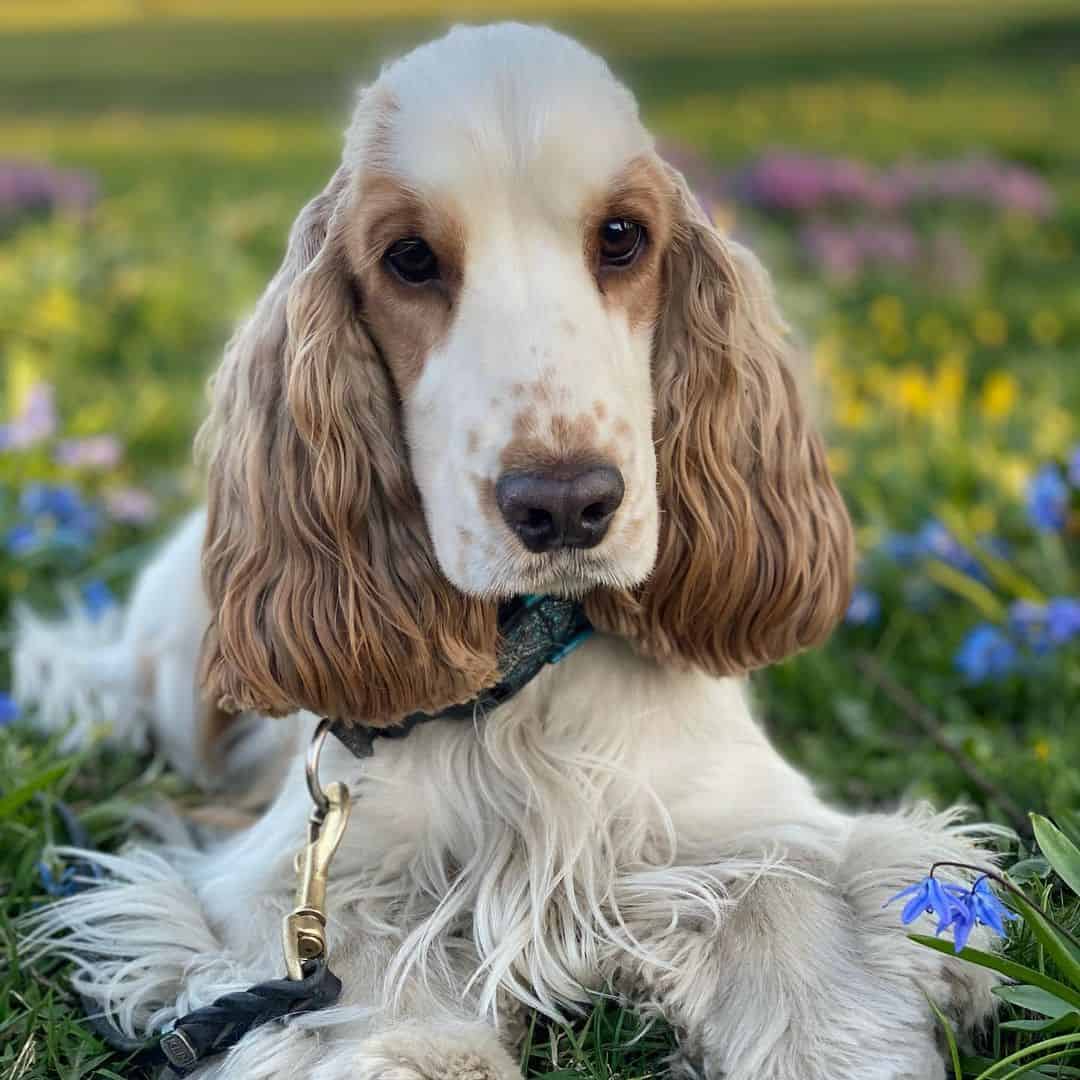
506,355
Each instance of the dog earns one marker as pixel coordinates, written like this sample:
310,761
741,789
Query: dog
507,354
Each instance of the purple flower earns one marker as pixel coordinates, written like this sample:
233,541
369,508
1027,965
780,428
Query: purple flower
864,609
96,452
133,506
9,711
97,598
26,187
36,421
986,653
1074,467
1048,499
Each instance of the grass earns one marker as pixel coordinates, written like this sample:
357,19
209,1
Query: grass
208,135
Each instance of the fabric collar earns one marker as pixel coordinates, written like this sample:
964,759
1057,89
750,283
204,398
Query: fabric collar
534,631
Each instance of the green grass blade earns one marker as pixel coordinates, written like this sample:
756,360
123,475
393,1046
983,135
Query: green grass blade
11,802
950,1038
1009,968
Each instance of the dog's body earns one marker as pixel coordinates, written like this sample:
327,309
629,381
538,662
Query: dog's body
621,824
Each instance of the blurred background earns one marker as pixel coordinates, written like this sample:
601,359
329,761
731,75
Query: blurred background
910,172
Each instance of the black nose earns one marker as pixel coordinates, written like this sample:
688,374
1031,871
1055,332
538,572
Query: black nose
560,508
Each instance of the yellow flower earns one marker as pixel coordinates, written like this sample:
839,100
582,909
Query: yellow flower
24,371
1046,327
990,328
852,413
949,384
1053,434
1041,750
999,395
56,312
1014,473
913,392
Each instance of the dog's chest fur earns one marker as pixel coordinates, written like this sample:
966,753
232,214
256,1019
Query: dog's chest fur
542,831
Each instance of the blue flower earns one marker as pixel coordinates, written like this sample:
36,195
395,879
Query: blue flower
957,908
9,711
988,909
864,609
902,548
1046,626
1074,467
1062,619
986,653
930,897
97,598
1048,499
936,542
21,539
54,516
64,885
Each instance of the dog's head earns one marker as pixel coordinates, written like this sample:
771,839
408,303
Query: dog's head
506,353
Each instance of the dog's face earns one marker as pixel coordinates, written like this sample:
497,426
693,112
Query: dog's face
511,281
506,353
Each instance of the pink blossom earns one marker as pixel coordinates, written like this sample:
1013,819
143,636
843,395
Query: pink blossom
95,452
133,506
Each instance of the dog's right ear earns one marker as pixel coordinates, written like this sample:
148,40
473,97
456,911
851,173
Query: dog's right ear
323,586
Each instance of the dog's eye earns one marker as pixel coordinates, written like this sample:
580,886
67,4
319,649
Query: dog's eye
412,260
620,242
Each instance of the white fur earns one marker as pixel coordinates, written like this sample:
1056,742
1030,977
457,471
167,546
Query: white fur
616,827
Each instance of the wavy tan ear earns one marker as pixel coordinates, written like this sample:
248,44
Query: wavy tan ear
322,581
756,556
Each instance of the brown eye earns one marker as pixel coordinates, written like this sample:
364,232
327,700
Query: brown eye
621,241
412,260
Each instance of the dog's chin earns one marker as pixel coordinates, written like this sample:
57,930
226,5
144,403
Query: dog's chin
572,574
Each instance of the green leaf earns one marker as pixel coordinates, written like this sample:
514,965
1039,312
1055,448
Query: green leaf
1063,854
1069,1022
1034,1000
1027,870
25,792
1009,968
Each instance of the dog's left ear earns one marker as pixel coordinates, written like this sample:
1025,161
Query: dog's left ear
756,556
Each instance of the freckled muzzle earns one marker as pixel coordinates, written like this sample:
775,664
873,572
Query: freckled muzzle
567,507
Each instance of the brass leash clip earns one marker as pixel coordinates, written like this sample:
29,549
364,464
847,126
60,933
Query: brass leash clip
304,928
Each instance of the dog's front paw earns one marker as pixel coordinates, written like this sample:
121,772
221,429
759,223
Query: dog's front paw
423,1052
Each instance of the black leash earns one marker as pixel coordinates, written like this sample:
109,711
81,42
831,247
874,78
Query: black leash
217,1027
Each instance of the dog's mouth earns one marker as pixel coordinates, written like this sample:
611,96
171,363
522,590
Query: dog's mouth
570,573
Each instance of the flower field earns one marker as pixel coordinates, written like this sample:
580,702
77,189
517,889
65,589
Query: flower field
919,207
